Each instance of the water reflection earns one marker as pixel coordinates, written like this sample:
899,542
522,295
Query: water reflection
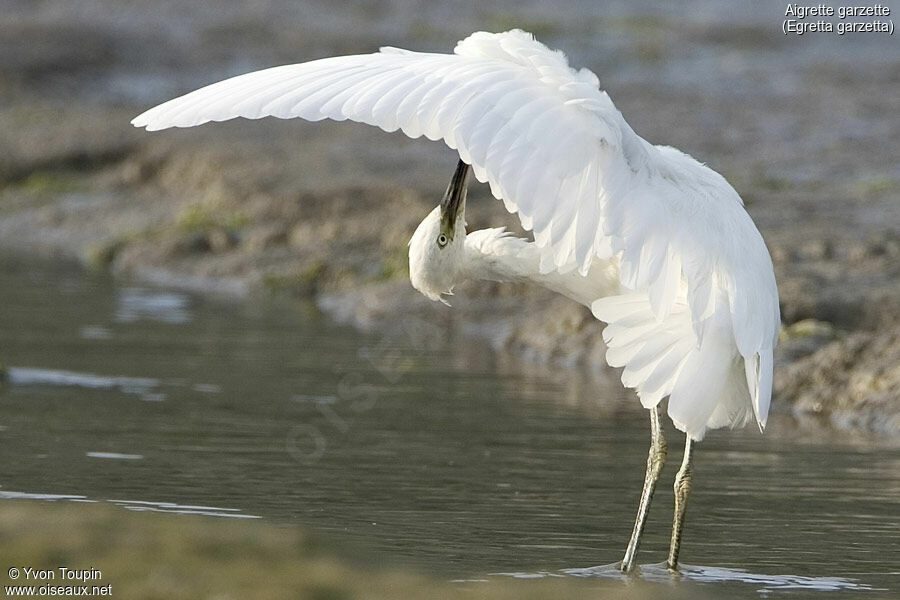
91,332
140,303
658,573
114,455
762,582
24,376
136,505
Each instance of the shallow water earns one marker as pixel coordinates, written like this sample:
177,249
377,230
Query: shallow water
421,453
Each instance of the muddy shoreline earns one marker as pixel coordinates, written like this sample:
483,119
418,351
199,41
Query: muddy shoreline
805,131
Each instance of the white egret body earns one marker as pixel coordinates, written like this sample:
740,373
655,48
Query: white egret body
656,244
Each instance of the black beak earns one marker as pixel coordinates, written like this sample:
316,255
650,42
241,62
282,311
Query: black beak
454,199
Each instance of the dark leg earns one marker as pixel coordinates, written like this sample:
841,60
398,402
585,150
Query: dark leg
655,461
682,491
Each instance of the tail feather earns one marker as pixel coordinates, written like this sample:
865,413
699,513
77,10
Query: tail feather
652,353
619,356
661,381
761,384
705,381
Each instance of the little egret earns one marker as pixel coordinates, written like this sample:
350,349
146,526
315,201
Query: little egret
656,244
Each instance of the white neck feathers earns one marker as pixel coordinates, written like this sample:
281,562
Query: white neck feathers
496,255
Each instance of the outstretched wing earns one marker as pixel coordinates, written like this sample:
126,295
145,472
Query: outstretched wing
545,138
555,149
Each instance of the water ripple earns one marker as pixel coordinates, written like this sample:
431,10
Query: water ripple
25,376
658,573
114,455
136,505
135,304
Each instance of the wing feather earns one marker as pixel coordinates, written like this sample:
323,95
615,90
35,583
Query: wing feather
556,150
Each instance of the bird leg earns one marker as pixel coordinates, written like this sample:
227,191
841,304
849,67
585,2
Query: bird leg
655,461
682,491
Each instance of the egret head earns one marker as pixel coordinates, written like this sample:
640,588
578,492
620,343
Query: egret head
436,250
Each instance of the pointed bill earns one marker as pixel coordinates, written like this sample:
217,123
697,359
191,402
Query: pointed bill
454,201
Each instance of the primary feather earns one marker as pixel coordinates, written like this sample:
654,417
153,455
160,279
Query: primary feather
558,153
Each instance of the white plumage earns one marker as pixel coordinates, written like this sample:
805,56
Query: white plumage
657,245
555,149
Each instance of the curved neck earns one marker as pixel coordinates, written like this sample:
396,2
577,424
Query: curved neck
495,255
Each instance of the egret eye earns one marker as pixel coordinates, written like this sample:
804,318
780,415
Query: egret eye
442,240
